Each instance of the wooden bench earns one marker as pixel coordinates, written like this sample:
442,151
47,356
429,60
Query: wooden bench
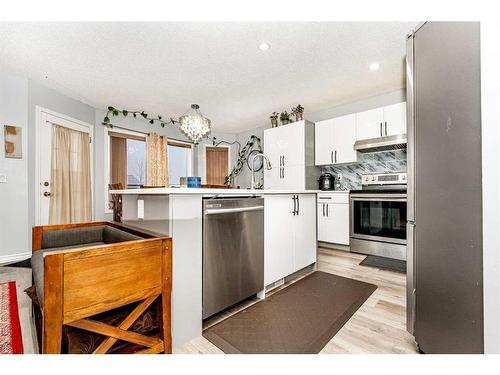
81,280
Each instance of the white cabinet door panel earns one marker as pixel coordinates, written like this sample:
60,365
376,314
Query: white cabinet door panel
323,142
344,136
323,223
368,124
395,118
291,144
305,244
278,241
293,177
338,223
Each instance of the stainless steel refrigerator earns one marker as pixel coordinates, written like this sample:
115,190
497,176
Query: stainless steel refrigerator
444,252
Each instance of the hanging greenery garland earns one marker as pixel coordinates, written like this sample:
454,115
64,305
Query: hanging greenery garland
112,111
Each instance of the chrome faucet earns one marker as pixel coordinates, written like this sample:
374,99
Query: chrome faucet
268,167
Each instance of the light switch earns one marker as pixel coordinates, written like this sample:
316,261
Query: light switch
3,178
140,209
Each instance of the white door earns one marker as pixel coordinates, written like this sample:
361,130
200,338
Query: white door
337,216
323,142
278,240
304,229
395,119
369,124
44,122
344,137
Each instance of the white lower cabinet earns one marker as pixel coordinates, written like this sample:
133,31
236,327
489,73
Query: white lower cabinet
289,234
333,218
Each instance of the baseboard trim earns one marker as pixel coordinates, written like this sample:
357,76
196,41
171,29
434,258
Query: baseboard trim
7,259
334,246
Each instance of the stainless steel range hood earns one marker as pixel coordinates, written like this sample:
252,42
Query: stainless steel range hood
391,142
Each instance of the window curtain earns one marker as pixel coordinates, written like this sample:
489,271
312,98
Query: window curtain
157,162
70,200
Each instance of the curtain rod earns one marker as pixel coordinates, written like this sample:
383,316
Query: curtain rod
138,131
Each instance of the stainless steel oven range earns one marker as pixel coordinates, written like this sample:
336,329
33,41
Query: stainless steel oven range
378,216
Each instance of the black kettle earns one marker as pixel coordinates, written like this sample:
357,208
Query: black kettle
326,181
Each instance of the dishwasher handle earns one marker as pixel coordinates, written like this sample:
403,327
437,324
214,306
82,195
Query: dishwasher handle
216,211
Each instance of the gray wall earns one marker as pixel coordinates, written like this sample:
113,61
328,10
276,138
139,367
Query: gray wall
14,224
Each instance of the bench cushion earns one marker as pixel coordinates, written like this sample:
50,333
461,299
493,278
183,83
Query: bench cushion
72,236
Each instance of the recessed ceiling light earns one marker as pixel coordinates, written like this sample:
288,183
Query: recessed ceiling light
374,66
264,46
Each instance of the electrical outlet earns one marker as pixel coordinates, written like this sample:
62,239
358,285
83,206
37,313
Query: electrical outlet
3,178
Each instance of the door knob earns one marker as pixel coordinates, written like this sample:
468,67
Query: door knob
46,194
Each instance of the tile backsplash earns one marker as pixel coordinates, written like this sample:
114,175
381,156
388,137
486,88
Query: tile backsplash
373,162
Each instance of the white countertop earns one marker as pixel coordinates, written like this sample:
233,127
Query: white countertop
192,191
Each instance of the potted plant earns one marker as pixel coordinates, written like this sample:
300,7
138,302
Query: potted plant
285,118
298,112
274,119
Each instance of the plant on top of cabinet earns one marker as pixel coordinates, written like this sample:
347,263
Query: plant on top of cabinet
285,118
274,119
298,112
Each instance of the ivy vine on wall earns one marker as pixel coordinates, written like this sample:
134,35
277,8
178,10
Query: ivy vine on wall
253,143
112,111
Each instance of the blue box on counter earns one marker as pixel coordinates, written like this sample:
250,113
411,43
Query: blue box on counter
194,182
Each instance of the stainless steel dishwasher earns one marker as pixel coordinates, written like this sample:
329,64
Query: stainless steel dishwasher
233,251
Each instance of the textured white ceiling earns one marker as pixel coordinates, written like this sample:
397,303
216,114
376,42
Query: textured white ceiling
164,67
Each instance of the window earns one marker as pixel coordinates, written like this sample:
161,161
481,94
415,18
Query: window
136,162
179,161
127,159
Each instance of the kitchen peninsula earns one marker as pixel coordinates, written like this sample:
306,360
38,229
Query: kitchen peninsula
289,239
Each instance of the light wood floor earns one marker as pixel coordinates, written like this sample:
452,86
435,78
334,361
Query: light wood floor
379,326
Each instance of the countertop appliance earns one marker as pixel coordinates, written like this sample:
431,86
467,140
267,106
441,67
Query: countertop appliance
445,277
378,216
233,251
326,181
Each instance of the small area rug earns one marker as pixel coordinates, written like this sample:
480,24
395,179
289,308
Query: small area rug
383,263
299,319
10,328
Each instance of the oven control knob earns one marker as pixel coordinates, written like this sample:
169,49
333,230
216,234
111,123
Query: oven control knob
373,178
404,177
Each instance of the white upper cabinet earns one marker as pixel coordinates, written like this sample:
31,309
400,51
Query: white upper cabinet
290,149
344,136
369,124
335,140
395,119
324,142
381,122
